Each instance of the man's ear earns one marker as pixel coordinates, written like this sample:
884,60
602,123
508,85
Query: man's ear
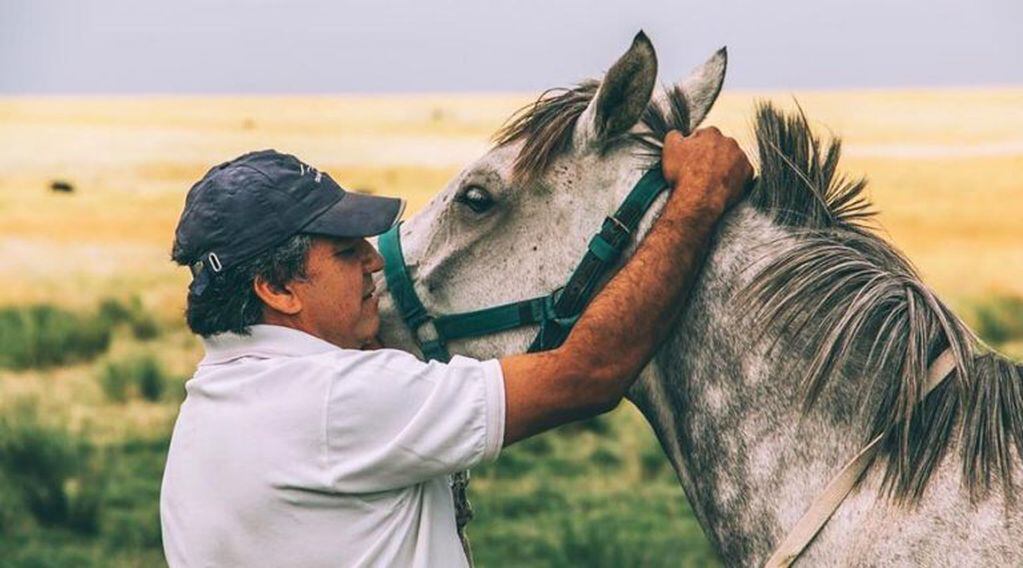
281,299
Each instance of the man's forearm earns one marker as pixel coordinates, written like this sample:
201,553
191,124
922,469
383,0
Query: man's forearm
619,331
615,336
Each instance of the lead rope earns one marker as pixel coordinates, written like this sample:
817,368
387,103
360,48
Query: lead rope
825,505
463,509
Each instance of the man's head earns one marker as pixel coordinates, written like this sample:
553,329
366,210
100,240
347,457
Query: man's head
272,240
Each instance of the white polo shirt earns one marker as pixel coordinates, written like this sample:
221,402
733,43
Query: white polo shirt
289,451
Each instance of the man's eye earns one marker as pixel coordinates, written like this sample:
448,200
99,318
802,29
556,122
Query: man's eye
346,253
476,198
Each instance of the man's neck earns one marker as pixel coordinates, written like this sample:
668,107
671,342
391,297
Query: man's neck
299,323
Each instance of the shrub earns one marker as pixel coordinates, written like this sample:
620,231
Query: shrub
136,529
113,379
114,310
599,425
51,469
11,507
142,375
132,506
85,495
606,456
558,523
145,328
44,553
151,379
43,336
999,319
653,463
141,323
608,534
537,446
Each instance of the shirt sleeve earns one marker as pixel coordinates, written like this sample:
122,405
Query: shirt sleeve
393,421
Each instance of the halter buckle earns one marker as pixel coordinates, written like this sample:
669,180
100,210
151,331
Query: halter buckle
431,342
620,225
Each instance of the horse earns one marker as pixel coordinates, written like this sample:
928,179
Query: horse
805,335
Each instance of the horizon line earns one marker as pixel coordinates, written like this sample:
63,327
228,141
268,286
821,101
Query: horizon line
477,93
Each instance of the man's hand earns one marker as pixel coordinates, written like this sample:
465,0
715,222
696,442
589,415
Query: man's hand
707,170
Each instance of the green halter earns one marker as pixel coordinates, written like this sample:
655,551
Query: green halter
555,313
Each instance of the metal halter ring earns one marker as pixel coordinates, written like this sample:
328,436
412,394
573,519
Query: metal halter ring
215,262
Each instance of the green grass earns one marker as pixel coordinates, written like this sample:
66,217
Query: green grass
65,502
596,493
42,336
580,496
48,472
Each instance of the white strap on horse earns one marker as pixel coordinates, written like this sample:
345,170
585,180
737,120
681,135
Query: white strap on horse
814,519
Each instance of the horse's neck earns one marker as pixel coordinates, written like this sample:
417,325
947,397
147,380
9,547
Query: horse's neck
727,413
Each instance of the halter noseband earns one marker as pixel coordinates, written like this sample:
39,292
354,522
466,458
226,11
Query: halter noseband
555,313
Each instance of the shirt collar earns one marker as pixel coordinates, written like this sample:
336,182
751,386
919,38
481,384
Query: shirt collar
263,341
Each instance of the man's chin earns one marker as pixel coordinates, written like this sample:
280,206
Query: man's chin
371,329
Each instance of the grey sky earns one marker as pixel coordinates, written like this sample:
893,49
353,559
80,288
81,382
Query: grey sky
306,46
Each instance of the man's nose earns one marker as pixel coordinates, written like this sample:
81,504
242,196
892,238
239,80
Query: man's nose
372,261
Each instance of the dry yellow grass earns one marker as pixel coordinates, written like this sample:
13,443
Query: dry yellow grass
944,167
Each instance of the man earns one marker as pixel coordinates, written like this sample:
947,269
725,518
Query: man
296,446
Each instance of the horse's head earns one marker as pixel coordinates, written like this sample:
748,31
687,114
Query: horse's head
514,223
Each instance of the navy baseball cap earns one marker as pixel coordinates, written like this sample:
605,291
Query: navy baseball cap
261,199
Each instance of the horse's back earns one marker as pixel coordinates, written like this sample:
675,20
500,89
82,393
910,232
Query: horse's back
945,528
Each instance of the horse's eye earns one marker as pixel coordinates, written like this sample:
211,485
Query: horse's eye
476,198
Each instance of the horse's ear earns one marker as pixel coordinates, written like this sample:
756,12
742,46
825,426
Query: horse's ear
622,97
701,87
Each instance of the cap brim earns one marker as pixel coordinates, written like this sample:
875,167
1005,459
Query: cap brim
357,215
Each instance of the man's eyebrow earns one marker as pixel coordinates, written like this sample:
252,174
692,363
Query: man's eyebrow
339,245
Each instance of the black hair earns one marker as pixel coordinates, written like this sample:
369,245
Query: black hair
229,303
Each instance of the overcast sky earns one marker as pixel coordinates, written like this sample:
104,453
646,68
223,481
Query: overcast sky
338,46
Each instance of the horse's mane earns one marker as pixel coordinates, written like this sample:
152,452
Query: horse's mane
863,311
859,287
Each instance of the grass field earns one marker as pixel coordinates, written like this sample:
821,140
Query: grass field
945,174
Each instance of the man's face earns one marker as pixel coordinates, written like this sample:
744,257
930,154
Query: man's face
339,304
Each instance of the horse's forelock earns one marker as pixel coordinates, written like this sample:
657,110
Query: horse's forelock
545,127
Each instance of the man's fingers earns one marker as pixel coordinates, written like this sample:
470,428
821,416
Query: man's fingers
712,165
672,155
673,138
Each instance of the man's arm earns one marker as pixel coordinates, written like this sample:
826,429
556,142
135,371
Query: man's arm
621,329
